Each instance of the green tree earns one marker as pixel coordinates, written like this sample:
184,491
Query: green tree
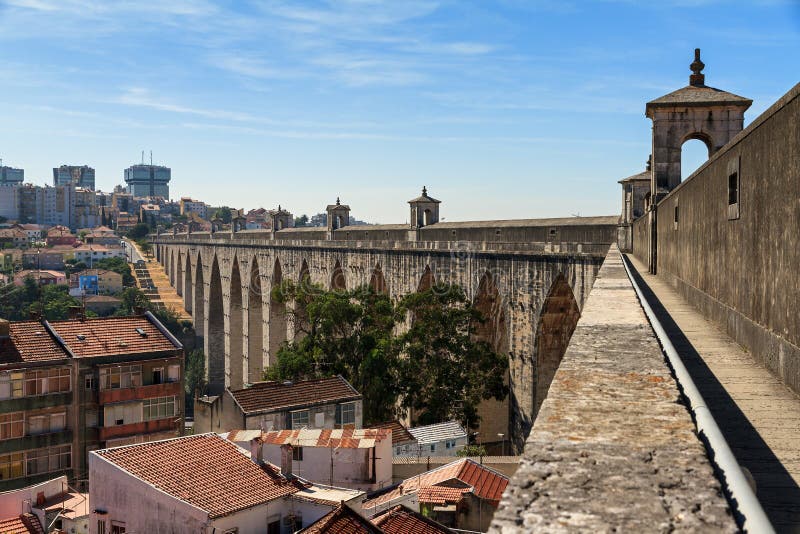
118,265
436,367
139,231
56,302
224,213
301,221
472,450
195,372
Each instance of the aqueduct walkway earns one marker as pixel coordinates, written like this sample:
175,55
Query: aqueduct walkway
759,416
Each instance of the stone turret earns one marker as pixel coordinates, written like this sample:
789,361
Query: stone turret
424,210
338,215
280,219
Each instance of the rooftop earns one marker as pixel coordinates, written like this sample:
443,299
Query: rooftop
29,341
269,396
438,432
106,336
205,471
401,520
347,438
23,524
424,198
327,494
71,505
341,520
400,434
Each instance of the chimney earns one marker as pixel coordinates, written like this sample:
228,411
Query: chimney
138,310
5,329
75,313
286,460
256,450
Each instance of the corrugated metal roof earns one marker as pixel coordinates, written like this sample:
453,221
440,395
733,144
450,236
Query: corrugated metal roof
438,432
348,438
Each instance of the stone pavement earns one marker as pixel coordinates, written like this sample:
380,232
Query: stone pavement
163,294
613,448
759,416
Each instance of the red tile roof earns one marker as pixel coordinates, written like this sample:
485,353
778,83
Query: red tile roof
205,470
401,520
487,483
347,438
400,434
341,520
24,524
102,336
29,341
442,494
269,396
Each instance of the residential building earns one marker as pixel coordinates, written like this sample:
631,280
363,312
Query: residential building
14,237
43,276
122,202
67,387
95,282
36,232
46,258
440,439
85,212
21,524
257,219
79,176
462,495
151,214
148,180
197,207
89,254
54,205
197,484
10,175
351,458
101,235
60,235
125,221
36,405
27,198
403,442
318,403
102,305
402,520
9,200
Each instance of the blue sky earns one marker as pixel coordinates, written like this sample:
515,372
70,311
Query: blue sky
504,109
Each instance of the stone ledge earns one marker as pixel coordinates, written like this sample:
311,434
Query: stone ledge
613,447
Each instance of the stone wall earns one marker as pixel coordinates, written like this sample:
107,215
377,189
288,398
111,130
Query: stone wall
614,448
739,264
641,238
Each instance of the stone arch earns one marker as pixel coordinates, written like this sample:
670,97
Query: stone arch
188,282
427,216
235,331
172,263
493,329
215,338
277,316
337,222
426,281
377,282
692,155
179,276
255,324
300,313
338,280
557,321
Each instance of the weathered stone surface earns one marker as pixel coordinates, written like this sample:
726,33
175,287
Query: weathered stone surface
613,449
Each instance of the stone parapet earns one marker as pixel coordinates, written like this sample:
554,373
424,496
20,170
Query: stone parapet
613,447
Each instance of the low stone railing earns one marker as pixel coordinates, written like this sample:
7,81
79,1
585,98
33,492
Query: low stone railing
613,448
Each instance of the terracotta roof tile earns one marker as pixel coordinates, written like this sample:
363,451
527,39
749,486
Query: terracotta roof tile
347,438
400,434
206,471
341,520
402,520
487,483
267,396
101,336
29,341
23,524
442,494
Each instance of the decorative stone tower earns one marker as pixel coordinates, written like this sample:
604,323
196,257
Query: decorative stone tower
338,216
424,210
280,219
693,112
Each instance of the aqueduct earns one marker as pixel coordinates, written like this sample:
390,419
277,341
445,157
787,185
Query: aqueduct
528,277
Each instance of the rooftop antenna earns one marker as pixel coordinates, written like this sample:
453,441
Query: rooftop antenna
142,157
151,158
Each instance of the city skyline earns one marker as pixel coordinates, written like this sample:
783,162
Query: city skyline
527,109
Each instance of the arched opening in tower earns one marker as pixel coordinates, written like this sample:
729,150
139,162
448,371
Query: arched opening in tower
188,291
557,322
235,360
301,324
694,152
255,325
377,282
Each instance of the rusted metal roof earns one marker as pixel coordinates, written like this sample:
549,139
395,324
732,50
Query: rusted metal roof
269,396
347,438
400,434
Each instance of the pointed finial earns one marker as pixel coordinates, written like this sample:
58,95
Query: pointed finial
697,78
649,161
337,201
279,207
424,191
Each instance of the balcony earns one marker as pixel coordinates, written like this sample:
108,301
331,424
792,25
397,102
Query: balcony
140,392
36,441
144,427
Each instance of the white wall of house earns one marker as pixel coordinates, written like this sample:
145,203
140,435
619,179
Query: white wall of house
18,501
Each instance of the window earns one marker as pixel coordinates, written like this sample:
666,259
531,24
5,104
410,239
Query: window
450,444
158,408
101,526
91,418
397,451
734,186
42,382
346,413
274,527
48,460
174,373
675,218
299,419
158,375
297,454
11,466
433,447
117,527
121,376
88,382
12,425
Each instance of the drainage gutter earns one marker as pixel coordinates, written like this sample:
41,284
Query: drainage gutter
751,515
